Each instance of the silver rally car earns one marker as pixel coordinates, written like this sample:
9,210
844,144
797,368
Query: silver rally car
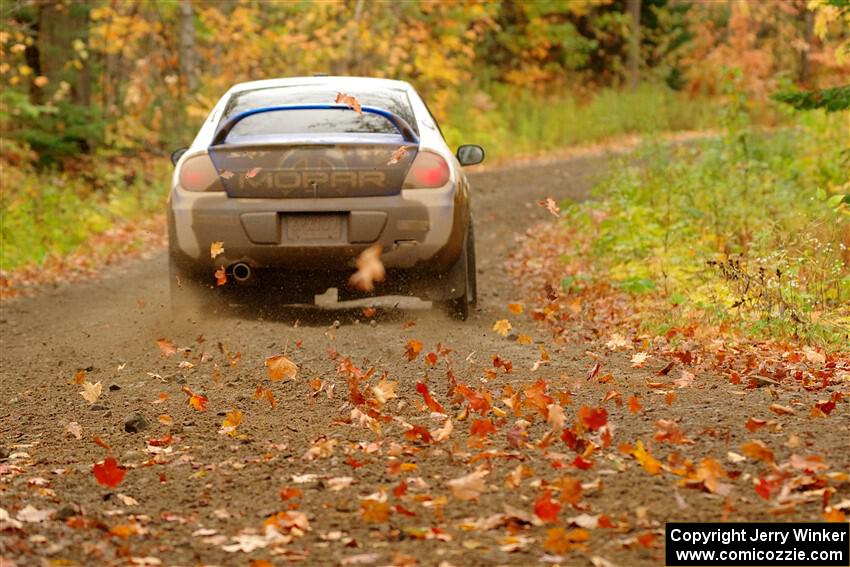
297,177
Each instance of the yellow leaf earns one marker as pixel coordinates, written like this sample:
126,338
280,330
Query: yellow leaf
216,248
503,327
647,461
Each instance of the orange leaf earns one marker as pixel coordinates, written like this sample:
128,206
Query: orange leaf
280,367
349,101
413,349
290,493
220,276
374,512
165,346
109,473
634,404
570,489
559,540
545,508
482,428
197,401
432,404
754,424
781,410
397,155
515,308
758,450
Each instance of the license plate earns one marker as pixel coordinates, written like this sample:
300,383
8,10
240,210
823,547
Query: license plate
301,228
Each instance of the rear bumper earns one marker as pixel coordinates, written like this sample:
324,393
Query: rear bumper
418,229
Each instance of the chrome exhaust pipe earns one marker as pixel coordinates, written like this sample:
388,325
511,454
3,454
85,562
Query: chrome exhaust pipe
242,272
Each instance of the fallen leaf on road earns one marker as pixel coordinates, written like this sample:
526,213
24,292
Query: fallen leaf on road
781,410
74,429
91,392
469,487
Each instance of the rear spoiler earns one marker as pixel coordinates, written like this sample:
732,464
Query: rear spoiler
400,123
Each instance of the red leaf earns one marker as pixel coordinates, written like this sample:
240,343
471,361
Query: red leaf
400,490
545,508
593,418
482,428
432,404
418,432
581,463
109,473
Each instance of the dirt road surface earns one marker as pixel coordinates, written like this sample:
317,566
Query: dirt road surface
196,497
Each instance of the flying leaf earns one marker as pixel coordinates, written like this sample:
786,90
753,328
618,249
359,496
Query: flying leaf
384,391
444,432
216,248
646,460
593,418
166,347
108,473
197,401
230,423
469,487
634,404
515,308
280,367
550,205
413,349
369,269
432,404
349,101
252,173
546,508
524,339
397,155
756,449
220,276
503,327
91,392
555,418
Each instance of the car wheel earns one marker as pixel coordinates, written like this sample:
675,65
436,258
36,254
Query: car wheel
460,307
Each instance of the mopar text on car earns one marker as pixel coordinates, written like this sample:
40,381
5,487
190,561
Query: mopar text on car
296,185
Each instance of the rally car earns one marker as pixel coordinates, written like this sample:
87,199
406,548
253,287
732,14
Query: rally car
290,180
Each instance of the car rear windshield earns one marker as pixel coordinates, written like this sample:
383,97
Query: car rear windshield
315,121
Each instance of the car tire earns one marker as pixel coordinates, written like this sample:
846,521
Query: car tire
459,308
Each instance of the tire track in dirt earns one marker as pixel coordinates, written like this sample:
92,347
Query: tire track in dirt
222,484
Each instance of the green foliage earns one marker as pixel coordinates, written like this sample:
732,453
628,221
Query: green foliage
56,132
831,100
740,228
510,122
50,212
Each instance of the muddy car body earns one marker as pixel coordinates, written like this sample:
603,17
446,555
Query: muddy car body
297,185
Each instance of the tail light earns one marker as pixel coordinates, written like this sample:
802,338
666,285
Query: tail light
428,171
198,174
